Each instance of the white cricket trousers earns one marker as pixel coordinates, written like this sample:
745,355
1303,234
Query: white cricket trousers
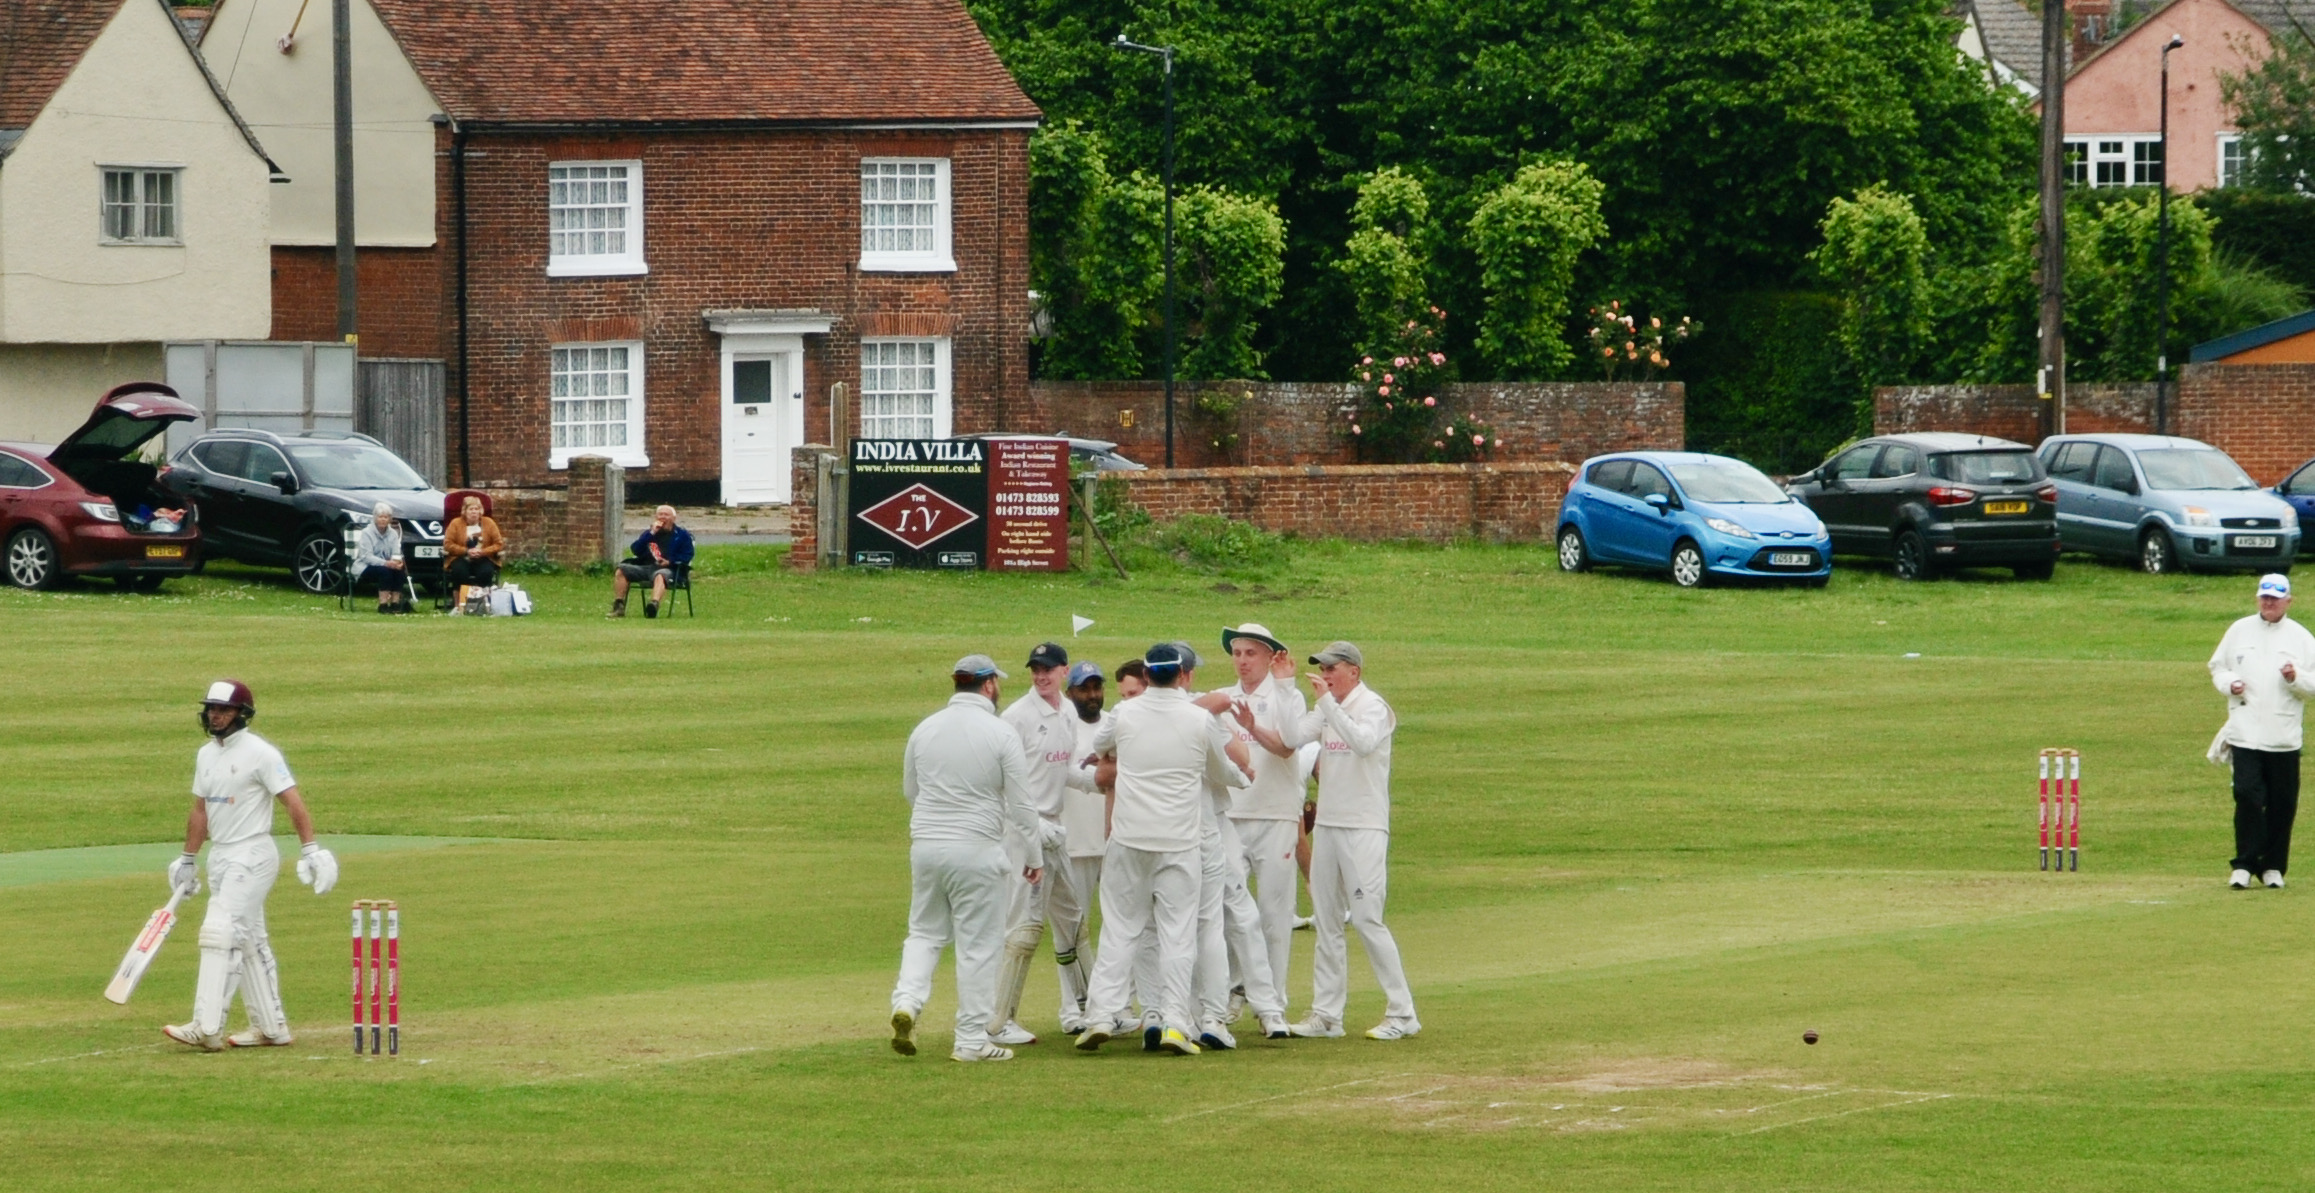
1230,931
236,957
1070,912
956,892
1268,850
1141,889
1349,871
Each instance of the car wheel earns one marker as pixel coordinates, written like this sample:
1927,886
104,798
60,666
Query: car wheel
142,583
319,564
1688,570
1574,555
1913,557
32,559
2157,555
2035,571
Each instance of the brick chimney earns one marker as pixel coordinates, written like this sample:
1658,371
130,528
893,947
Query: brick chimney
2092,24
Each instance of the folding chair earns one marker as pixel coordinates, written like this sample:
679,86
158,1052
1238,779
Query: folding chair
352,576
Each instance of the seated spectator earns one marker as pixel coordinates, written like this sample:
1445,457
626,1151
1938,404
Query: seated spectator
657,553
473,545
378,559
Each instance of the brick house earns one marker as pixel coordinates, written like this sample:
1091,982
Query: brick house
663,233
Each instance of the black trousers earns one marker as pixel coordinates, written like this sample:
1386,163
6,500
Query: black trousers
381,577
2266,801
472,569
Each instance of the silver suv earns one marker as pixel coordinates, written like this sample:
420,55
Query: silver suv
2168,503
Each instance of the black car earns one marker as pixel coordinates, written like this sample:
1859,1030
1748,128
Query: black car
287,500
1937,500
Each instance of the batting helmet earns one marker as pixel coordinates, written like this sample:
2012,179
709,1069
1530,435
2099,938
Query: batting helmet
229,693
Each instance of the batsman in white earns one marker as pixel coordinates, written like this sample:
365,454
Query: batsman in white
1085,824
1266,814
965,780
237,777
1047,723
1165,747
1351,845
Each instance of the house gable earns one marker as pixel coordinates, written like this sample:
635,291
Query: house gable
133,94
2115,93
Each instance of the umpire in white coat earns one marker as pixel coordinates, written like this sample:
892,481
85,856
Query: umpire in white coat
964,775
1351,845
2265,666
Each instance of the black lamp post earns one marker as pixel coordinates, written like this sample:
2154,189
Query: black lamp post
2162,259
1166,55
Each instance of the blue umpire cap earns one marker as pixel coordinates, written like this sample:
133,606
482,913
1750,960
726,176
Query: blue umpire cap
1086,671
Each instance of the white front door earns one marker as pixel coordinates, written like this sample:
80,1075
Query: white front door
763,418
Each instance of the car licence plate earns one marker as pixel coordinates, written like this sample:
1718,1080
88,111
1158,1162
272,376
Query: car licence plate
2251,542
425,552
2007,507
1791,559
164,553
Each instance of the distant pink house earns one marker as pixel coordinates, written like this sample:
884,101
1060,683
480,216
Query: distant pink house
2114,81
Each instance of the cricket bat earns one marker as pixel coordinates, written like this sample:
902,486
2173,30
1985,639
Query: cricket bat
141,953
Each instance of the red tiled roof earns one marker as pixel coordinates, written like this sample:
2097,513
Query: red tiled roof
40,42
526,61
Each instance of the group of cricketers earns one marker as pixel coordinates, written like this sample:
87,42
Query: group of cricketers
1179,813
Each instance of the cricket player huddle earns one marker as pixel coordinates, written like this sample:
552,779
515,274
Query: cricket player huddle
1159,811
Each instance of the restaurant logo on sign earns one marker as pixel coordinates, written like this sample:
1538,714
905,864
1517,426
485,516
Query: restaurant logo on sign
918,516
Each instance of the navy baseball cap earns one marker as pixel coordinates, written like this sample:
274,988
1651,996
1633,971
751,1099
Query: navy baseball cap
1164,654
1086,671
1049,654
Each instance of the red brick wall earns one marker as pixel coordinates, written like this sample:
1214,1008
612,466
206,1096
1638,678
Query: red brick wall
2262,415
2011,411
804,506
766,219
398,304
566,525
1280,423
1434,502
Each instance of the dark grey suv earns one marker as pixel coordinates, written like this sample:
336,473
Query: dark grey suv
1936,500
287,500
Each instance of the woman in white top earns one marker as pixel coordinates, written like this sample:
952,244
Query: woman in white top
378,559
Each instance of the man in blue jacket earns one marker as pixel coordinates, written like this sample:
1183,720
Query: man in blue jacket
654,555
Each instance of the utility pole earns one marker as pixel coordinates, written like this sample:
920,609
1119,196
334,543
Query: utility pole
342,103
2162,259
1166,54
2051,378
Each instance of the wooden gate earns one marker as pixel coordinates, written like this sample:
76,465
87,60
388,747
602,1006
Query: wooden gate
400,401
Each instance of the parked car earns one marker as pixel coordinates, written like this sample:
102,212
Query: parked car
74,509
2298,489
286,500
1932,501
1696,516
2168,504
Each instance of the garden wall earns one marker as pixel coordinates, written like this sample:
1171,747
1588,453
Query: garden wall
2262,415
572,526
1433,502
1281,423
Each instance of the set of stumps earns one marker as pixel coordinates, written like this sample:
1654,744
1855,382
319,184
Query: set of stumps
2061,809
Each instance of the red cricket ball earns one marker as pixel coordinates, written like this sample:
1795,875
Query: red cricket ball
1808,1037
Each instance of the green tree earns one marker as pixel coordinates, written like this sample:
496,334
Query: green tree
1095,245
2274,105
1875,260
1386,264
1527,235
1231,252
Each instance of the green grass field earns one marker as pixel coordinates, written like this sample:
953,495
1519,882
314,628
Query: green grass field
654,881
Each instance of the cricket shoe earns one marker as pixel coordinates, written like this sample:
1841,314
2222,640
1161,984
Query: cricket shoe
1176,1043
1394,1029
190,1035
1303,923
1237,1008
1097,1035
1073,1027
1217,1037
2239,880
254,1038
1274,1026
1152,1028
2273,878
1012,1035
904,1030
1317,1028
984,1052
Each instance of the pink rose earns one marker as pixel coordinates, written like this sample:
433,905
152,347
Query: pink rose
1354,429
1366,360
1365,376
1438,358
1384,390
1389,380
1399,362
1430,401
1478,441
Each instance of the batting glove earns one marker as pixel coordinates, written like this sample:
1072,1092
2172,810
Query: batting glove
185,874
317,867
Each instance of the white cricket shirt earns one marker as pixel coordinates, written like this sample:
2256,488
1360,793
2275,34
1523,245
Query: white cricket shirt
2268,715
1354,769
236,780
1276,793
1084,809
964,775
1049,744
1165,746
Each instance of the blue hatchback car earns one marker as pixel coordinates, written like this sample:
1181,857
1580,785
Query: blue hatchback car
1696,516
